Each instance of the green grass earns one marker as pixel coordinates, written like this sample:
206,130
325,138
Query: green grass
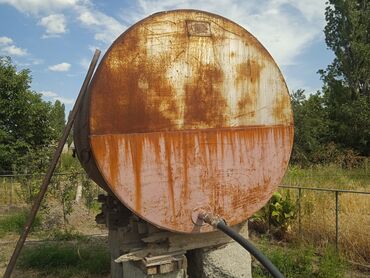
300,261
66,259
328,176
330,264
14,223
67,235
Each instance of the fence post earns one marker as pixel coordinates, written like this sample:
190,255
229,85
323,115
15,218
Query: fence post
11,192
299,211
336,220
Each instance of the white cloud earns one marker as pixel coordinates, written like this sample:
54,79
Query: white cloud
55,24
92,48
5,40
106,28
310,9
285,27
65,100
60,67
40,6
295,84
54,96
48,94
36,61
12,50
87,18
85,63
7,47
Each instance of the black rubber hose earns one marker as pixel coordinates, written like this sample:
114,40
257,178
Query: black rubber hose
221,225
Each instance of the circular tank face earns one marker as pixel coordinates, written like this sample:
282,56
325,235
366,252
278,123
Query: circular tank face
188,111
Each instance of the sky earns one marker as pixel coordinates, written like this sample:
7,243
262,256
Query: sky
56,39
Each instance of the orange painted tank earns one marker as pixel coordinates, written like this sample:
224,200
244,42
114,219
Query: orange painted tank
187,111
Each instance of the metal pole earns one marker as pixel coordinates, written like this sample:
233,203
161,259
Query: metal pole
49,173
11,192
336,219
299,211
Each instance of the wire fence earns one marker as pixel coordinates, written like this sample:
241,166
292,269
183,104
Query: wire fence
323,214
336,195
18,189
338,216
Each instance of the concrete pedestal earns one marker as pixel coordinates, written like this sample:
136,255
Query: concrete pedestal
228,261
138,249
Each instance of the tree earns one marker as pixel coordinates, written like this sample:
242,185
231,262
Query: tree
310,126
347,78
25,122
58,118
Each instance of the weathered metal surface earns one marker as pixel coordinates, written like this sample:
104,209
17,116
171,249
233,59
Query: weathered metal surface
188,111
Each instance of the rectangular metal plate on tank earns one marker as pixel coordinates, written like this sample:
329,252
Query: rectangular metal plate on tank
199,28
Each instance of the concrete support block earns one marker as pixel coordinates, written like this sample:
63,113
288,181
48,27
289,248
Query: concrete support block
228,261
141,250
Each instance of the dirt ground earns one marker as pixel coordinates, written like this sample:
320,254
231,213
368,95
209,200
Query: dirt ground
81,220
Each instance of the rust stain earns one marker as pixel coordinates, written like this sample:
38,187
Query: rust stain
248,73
132,91
136,159
154,140
231,186
248,103
170,182
185,164
249,70
144,99
114,165
204,103
281,109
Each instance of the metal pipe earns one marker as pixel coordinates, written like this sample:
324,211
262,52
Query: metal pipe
325,189
11,191
336,220
36,175
299,211
52,166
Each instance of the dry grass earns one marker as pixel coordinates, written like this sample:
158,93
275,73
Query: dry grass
9,189
318,209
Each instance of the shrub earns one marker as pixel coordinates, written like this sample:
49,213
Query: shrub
275,216
67,235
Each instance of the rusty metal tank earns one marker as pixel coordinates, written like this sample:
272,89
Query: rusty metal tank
186,111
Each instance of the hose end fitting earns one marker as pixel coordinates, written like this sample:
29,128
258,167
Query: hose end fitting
210,218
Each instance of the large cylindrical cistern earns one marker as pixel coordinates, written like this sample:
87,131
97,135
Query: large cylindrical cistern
187,111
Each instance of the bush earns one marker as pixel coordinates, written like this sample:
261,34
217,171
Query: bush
331,153
276,216
67,235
